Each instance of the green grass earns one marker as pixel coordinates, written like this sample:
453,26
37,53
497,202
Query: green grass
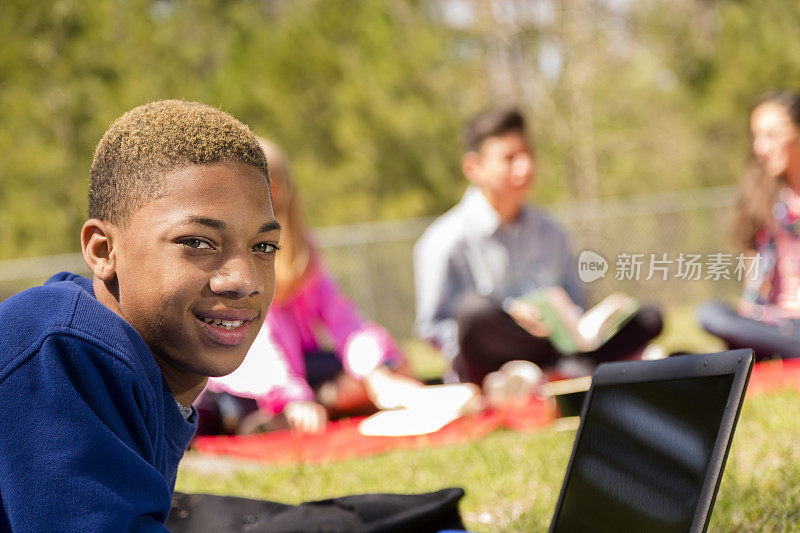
760,490
681,333
424,359
512,480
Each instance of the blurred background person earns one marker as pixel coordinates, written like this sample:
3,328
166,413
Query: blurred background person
767,226
476,265
316,356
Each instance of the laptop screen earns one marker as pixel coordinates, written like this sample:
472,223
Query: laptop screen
643,455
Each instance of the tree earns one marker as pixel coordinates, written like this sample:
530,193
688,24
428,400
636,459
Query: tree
358,92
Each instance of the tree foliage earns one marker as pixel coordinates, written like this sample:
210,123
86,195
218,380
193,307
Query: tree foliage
357,92
368,97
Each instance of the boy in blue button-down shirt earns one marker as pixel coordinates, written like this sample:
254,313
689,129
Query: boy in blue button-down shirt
475,262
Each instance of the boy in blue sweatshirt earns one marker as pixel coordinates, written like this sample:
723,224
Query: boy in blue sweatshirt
97,376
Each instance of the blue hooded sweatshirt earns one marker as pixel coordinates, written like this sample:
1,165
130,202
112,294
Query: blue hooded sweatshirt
90,434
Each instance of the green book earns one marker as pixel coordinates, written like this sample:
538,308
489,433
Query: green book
571,332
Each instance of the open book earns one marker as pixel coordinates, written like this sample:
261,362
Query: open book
571,331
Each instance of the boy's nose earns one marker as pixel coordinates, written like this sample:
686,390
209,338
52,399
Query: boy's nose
523,165
764,146
238,277
759,147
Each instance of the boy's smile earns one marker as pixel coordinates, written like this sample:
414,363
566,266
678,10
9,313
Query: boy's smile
194,270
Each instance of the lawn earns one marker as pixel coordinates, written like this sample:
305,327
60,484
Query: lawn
512,480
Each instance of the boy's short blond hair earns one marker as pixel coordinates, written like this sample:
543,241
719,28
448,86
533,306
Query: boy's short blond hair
149,141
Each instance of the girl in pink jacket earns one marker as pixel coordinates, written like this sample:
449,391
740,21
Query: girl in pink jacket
315,356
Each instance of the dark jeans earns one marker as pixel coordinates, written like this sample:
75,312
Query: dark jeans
220,413
767,340
489,337
322,366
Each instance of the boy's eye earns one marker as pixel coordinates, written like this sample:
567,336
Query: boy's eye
265,248
195,243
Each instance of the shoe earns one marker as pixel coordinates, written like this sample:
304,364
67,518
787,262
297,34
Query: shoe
515,380
574,366
653,352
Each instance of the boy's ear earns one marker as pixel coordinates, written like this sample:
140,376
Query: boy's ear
470,166
97,243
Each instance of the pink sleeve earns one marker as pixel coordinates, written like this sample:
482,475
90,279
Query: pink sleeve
362,345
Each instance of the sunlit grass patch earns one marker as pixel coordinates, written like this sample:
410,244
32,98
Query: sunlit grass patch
512,479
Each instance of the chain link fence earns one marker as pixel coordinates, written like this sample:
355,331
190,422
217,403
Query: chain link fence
373,262
657,232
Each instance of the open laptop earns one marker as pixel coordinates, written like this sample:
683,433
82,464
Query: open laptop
652,444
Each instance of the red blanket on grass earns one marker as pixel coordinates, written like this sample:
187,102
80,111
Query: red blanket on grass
341,439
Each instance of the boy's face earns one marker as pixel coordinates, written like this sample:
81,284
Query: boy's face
504,168
195,267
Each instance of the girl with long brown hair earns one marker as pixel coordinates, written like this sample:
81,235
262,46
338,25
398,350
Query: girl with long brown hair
767,226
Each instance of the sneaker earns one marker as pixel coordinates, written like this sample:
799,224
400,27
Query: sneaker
514,380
